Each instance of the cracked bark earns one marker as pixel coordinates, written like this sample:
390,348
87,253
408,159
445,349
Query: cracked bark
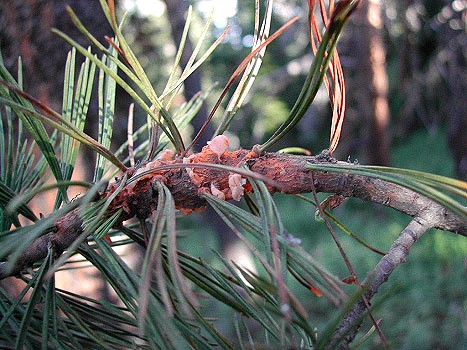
285,173
289,173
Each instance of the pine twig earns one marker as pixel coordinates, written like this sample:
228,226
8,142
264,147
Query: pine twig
348,264
348,328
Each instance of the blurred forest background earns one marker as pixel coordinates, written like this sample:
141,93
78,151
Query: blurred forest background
405,68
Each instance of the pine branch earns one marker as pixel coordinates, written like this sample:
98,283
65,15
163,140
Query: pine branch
224,174
348,328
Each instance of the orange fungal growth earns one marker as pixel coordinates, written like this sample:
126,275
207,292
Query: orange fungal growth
166,154
216,192
195,178
219,145
236,183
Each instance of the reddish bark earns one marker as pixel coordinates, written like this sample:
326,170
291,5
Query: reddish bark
283,173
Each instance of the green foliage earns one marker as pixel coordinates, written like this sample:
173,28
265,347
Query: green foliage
34,126
424,309
16,170
174,299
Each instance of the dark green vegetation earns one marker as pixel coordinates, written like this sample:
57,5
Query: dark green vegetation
183,291
423,306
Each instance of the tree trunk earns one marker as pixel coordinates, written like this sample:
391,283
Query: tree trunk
25,30
373,101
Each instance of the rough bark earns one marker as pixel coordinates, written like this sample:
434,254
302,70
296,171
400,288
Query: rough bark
189,178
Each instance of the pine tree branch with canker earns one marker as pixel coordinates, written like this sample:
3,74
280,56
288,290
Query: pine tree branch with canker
228,175
224,174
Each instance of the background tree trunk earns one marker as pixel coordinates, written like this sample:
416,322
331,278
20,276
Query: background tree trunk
25,30
374,100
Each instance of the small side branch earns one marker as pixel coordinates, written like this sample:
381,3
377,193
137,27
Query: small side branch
348,328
